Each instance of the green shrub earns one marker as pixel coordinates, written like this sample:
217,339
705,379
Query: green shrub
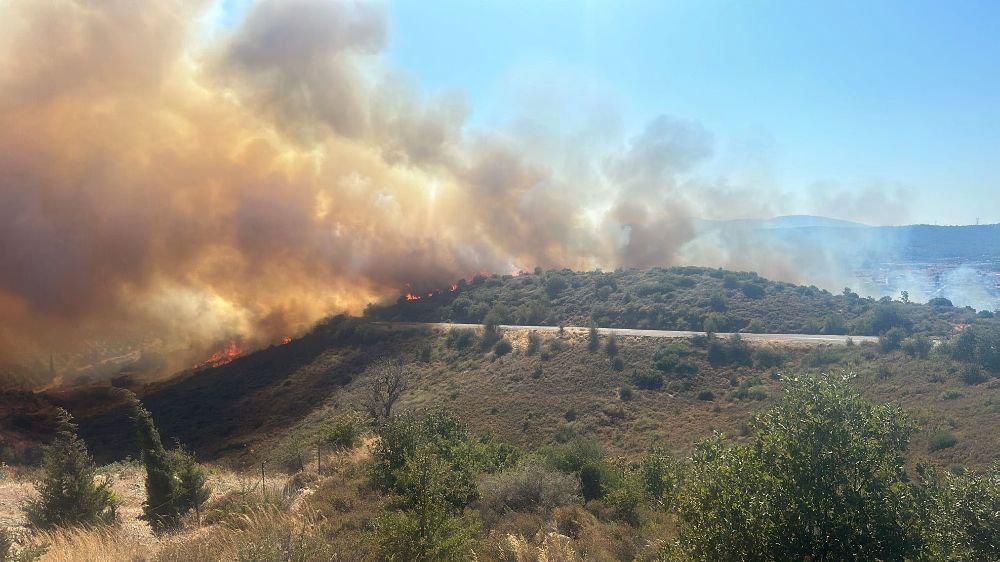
429,529
950,394
614,412
833,324
706,395
595,478
821,357
979,346
625,393
891,340
554,285
625,494
714,322
192,488
611,347
941,439
961,521
745,392
530,486
175,484
822,479
534,343
160,509
917,345
881,318
972,376
502,347
460,338
673,358
491,329
442,434
717,302
767,358
556,345
647,380
67,493
572,455
593,338
661,475
343,431
732,351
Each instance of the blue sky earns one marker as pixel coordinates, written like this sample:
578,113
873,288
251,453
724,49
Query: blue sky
901,97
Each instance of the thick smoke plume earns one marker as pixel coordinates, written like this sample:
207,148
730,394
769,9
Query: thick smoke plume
161,183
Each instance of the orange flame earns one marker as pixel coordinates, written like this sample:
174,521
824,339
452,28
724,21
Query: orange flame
223,356
412,297
286,339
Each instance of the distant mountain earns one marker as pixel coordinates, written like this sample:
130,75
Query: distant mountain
809,221
910,243
786,221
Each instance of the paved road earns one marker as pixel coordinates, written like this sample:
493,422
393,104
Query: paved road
808,339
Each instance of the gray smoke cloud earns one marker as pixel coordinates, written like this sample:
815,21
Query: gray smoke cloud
164,186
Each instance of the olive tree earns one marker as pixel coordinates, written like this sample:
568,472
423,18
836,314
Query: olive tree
821,480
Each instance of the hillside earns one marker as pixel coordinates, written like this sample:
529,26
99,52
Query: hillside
541,400
679,298
221,410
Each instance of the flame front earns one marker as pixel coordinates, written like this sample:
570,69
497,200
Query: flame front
225,355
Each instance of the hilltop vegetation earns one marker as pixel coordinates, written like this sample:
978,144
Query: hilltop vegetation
678,298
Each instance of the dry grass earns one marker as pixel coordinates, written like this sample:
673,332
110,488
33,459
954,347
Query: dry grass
237,504
508,398
262,535
111,544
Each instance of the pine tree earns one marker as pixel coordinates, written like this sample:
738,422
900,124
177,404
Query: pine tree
163,491
67,492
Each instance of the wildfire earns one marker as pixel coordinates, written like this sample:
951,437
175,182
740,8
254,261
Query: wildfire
454,287
286,339
223,356
412,297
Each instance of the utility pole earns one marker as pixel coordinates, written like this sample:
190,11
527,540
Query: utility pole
262,493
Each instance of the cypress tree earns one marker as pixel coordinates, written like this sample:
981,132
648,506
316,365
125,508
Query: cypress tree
67,492
162,506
